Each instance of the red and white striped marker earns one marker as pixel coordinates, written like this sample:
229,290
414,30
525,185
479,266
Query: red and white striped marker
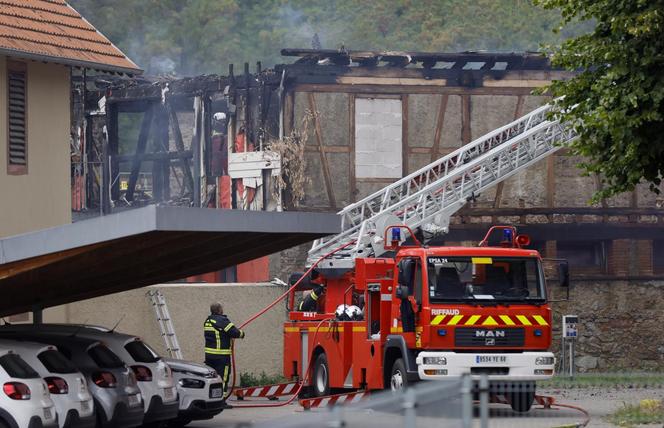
333,400
268,391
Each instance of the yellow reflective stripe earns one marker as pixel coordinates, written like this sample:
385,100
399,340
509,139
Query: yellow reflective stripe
523,319
313,295
472,320
291,329
209,329
507,320
490,321
225,375
482,260
540,320
217,338
396,330
455,319
359,329
213,321
217,351
228,327
438,319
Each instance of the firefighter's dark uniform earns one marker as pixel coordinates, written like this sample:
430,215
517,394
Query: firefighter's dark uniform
308,304
219,331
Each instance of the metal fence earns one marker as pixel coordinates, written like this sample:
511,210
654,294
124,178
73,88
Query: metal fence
432,404
459,403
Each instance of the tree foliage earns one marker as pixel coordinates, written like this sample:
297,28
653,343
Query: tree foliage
616,101
186,37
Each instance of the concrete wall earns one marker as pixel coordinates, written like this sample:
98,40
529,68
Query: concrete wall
41,198
189,305
618,321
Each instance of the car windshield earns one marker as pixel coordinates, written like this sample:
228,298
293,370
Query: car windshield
484,279
16,367
141,353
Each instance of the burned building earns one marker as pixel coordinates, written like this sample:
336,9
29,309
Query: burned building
363,120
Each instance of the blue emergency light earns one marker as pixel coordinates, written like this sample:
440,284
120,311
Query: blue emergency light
396,234
507,235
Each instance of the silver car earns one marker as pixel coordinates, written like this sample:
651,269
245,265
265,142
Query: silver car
201,391
24,401
154,376
67,386
117,398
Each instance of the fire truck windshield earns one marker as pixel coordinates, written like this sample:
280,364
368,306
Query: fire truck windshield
484,279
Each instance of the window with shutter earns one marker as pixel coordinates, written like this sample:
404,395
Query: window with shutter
17,109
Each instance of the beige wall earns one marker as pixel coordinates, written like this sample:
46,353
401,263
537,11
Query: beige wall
189,305
41,198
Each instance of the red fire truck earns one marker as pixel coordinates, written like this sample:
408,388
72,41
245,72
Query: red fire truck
430,312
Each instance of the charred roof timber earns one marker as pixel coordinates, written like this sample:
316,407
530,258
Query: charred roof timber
456,61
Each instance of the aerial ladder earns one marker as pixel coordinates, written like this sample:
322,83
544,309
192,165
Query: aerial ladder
427,198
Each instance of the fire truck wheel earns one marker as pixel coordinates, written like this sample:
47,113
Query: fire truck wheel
321,381
522,401
398,378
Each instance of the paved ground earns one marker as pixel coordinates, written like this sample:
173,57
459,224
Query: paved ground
597,402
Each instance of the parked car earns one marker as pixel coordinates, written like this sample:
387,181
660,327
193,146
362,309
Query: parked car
154,376
67,385
117,398
200,388
25,400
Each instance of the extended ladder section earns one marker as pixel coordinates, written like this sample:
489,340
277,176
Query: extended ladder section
158,302
431,195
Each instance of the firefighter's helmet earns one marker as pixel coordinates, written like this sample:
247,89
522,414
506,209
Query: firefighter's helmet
354,313
341,314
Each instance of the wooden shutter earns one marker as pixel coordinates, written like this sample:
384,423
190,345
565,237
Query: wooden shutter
17,110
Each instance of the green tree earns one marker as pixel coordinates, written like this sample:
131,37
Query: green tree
616,99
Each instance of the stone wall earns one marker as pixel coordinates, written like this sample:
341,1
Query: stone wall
619,324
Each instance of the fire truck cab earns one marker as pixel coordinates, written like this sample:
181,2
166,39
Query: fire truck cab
428,313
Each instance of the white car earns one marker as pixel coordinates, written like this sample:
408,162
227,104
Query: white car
154,376
117,399
201,391
67,386
24,401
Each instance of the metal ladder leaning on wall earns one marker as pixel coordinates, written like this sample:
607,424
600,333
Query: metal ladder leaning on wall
158,302
431,195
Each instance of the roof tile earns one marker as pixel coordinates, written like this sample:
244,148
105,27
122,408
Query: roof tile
54,30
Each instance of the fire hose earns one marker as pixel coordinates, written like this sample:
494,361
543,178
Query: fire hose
267,308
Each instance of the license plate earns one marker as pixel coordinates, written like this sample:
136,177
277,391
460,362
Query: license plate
169,394
134,400
86,406
48,414
216,392
490,359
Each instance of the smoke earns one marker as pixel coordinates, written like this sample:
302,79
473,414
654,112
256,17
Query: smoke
162,65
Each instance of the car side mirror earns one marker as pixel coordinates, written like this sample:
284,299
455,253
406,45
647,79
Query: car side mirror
563,273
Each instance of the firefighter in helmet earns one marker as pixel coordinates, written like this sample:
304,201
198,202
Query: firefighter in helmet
310,300
219,332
